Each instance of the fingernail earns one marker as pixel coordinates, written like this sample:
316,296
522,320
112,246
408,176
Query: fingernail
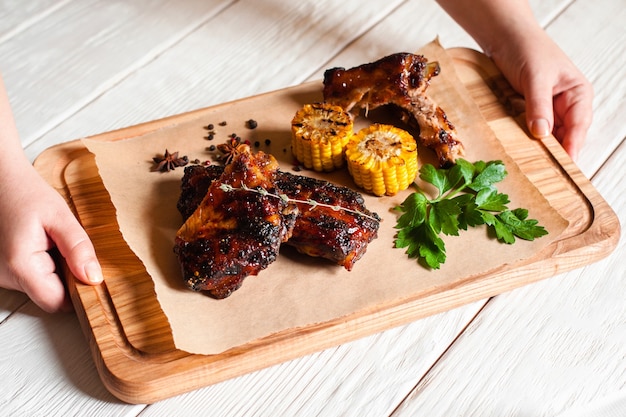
540,128
93,272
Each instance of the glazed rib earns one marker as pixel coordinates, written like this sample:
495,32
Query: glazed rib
233,234
400,80
340,236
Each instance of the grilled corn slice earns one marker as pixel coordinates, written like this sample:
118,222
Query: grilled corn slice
382,159
320,132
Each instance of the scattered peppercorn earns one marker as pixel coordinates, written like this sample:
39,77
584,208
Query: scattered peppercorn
211,148
210,136
257,144
268,142
223,123
210,126
251,124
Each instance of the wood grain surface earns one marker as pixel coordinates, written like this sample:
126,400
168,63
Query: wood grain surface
78,68
133,349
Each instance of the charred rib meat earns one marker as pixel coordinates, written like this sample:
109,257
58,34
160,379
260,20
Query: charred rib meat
400,80
194,185
233,234
341,236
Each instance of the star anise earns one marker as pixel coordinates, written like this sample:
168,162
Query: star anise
169,161
231,149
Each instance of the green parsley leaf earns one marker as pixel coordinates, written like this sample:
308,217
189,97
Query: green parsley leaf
470,214
516,221
423,243
437,177
467,197
488,174
466,170
414,208
443,217
490,199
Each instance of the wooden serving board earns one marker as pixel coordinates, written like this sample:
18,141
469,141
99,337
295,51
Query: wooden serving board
130,338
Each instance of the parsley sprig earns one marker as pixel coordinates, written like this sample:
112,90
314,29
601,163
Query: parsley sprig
467,197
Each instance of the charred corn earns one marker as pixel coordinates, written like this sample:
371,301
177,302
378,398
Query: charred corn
320,133
382,159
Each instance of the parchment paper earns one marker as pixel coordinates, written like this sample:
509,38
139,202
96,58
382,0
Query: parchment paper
297,291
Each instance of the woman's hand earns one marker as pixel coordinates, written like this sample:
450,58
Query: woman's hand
34,219
558,96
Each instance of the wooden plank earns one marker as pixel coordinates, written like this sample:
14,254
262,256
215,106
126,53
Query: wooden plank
413,24
410,26
566,347
222,61
102,42
51,371
366,377
16,19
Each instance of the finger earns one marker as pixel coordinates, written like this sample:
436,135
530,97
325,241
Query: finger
575,109
74,245
572,140
42,285
539,110
48,293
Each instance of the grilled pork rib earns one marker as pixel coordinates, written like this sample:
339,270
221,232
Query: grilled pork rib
400,80
341,236
233,234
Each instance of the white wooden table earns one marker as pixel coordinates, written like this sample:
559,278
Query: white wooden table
77,68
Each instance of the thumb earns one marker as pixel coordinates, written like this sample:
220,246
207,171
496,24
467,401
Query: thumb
539,108
76,248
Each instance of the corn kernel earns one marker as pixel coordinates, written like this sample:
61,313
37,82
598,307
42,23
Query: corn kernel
320,133
382,159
